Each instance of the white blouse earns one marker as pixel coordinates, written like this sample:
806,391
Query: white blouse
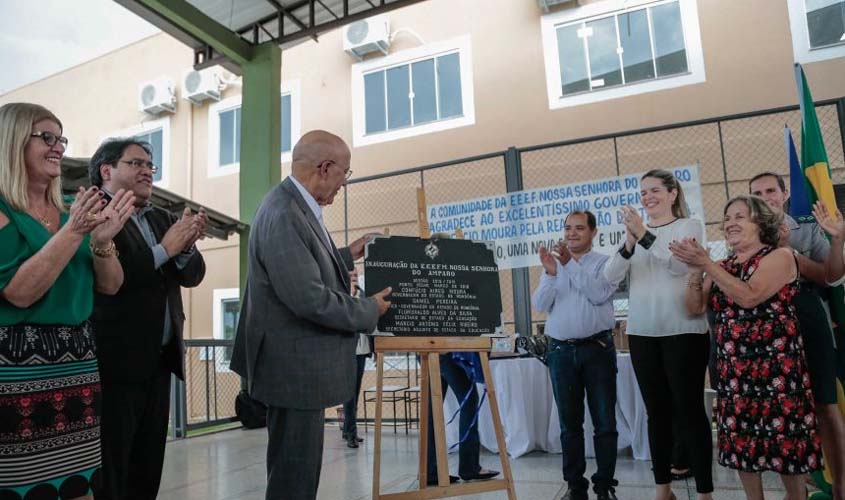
658,282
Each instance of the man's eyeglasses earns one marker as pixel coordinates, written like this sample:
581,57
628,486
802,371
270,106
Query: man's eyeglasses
50,138
347,173
138,164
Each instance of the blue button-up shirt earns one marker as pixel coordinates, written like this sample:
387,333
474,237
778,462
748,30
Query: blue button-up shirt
578,299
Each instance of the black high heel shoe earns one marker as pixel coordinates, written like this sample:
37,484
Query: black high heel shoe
481,475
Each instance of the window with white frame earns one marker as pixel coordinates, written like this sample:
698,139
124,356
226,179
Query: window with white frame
226,310
614,49
229,150
413,92
285,113
156,140
825,22
818,29
225,130
157,134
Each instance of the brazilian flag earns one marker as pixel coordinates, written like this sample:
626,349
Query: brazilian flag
813,155
819,186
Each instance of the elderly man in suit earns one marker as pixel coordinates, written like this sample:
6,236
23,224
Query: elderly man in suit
296,335
139,330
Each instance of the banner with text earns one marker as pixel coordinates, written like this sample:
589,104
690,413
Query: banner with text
520,222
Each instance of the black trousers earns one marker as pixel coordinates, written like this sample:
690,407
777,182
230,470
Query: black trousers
133,433
350,408
469,451
670,374
294,453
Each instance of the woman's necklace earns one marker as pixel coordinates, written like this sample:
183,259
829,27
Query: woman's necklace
42,219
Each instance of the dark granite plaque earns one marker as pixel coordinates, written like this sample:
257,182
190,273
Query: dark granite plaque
441,287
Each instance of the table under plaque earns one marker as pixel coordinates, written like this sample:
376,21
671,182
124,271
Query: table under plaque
530,417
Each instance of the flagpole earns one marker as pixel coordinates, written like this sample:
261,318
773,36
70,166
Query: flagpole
799,84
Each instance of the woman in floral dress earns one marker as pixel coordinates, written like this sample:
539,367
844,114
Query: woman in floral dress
765,413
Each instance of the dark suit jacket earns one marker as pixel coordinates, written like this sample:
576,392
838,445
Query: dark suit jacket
130,324
295,342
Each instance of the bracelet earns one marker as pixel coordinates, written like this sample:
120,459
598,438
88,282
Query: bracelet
695,284
109,251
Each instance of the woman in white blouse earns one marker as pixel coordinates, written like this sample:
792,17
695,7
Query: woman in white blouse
669,347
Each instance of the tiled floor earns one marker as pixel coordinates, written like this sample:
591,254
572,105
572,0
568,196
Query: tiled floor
230,466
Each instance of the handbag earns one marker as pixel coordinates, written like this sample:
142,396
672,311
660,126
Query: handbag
250,412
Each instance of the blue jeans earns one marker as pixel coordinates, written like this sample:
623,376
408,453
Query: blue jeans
469,451
588,367
350,408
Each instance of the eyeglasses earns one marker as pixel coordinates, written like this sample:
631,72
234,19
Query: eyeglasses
347,173
50,138
138,164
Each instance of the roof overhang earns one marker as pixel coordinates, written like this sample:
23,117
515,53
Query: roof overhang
220,226
224,31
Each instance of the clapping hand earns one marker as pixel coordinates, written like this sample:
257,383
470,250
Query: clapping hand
199,223
85,211
113,217
634,226
184,232
561,251
633,221
832,223
690,252
548,261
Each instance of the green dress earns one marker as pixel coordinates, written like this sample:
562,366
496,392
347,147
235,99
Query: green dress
71,298
49,383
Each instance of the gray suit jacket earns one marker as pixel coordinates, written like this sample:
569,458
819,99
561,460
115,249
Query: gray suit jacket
295,342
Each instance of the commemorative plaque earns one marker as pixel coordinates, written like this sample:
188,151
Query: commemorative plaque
441,287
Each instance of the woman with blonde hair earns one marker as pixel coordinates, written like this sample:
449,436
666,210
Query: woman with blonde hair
51,260
669,346
765,418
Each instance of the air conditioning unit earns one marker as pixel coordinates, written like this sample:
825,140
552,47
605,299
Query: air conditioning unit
547,4
157,96
197,86
366,36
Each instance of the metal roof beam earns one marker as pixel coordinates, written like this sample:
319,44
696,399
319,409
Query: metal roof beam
330,11
295,20
346,18
203,28
330,25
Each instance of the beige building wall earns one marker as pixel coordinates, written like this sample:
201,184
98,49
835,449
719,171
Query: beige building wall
747,51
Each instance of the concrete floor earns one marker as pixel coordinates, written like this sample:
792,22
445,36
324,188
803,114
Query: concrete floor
230,466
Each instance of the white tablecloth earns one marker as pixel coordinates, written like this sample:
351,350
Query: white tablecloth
529,414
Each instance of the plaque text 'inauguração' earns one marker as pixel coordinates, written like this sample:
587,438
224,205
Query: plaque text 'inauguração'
440,287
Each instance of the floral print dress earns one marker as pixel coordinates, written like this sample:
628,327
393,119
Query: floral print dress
765,413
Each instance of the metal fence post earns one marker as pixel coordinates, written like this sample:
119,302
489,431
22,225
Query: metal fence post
521,280
178,407
840,115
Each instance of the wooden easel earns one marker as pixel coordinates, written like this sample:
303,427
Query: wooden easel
431,390
430,349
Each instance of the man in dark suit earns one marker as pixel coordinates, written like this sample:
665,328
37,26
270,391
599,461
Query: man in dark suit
139,330
296,335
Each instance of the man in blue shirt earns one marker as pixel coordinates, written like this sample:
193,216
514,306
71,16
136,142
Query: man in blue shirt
581,357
